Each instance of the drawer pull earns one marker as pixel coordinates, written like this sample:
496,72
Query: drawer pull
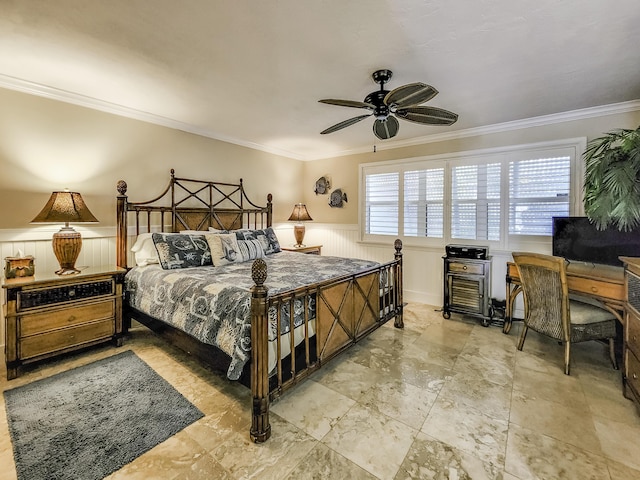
464,267
635,376
594,289
71,319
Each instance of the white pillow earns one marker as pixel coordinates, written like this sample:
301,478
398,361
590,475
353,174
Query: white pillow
224,249
144,250
215,230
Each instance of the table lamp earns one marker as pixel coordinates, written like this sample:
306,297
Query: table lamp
67,207
299,215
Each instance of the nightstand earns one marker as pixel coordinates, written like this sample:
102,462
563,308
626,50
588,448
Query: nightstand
47,315
310,249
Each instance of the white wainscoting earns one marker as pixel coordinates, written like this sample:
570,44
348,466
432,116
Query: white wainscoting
423,267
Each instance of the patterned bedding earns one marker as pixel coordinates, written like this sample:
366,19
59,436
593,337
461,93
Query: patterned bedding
213,303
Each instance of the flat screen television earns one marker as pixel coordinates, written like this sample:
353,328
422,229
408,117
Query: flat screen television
576,238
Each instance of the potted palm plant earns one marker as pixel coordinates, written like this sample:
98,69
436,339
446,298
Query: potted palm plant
612,180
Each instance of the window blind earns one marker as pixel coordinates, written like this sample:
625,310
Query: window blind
538,190
475,201
382,203
424,203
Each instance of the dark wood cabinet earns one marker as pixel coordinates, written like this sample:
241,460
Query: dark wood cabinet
467,287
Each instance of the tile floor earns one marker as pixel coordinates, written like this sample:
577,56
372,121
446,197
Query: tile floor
441,399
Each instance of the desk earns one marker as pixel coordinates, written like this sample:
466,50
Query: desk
601,282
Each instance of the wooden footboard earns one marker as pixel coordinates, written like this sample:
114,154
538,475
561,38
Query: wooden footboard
347,309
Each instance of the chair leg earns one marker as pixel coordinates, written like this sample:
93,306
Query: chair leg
612,353
523,335
567,357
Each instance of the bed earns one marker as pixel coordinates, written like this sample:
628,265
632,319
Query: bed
207,274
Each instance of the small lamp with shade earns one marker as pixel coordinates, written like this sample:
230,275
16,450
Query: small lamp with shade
66,207
300,214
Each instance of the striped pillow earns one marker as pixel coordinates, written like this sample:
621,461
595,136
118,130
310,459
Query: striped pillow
250,249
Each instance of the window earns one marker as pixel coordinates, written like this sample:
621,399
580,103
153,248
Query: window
483,197
538,190
424,203
382,204
475,202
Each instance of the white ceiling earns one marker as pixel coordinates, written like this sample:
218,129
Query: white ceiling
251,72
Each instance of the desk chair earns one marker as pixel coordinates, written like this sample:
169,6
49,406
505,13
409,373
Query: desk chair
548,309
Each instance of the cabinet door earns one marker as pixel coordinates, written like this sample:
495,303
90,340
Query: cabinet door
465,292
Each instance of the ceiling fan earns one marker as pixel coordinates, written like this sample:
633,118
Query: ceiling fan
403,101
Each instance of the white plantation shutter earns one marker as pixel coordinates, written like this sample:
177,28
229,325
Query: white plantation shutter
495,196
538,190
382,203
475,202
424,203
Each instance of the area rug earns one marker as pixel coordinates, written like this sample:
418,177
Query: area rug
90,421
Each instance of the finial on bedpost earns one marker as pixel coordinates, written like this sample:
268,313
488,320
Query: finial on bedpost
398,246
398,322
121,186
173,173
259,272
260,427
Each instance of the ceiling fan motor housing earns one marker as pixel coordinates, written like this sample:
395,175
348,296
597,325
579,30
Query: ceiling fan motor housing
377,99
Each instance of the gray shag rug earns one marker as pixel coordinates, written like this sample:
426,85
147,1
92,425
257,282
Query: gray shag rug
90,421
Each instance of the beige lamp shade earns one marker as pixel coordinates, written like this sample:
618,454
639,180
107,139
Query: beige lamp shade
66,207
300,214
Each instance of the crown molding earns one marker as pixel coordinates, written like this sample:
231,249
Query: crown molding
13,83
52,93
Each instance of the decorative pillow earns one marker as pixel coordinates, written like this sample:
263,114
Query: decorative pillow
144,250
250,249
224,249
267,237
176,250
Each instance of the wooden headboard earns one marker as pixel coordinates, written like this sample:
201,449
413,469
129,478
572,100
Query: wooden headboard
187,204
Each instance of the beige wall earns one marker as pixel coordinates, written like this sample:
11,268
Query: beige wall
47,145
344,170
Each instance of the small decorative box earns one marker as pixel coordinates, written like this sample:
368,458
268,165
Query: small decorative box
16,267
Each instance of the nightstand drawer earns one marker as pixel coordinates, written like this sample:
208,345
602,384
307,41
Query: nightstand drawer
66,317
33,298
67,337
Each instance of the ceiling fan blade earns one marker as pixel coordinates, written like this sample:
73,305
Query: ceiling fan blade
410,94
427,115
387,128
344,124
347,103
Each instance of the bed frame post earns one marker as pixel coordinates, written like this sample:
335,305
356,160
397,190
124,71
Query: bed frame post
260,427
121,224
398,322
269,210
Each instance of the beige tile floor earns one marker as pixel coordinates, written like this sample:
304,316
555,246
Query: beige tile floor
441,399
